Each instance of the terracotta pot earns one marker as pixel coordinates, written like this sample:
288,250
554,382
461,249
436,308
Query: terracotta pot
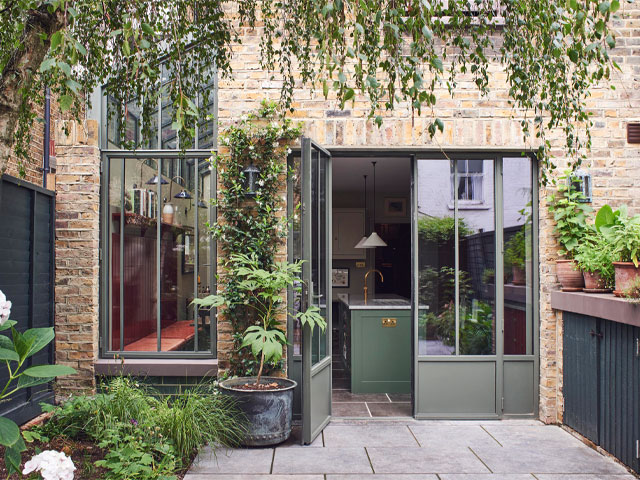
626,273
593,282
569,275
519,275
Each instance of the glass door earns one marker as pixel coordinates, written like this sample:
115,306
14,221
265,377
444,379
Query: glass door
316,290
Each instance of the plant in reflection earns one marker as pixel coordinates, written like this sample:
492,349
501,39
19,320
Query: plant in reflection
476,329
441,229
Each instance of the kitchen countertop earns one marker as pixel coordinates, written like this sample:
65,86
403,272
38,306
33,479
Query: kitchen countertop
377,302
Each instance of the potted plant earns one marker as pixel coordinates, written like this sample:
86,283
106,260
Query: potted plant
570,214
623,233
265,401
514,257
595,258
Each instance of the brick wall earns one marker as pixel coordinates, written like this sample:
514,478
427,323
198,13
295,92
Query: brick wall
475,122
77,276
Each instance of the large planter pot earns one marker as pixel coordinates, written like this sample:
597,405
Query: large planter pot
626,273
569,275
594,283
268,412
519,275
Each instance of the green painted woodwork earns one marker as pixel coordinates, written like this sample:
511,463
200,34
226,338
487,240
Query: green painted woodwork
380,356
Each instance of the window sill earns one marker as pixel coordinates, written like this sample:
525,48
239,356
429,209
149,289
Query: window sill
155,367
470,206
602,305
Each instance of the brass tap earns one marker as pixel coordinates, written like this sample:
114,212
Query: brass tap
366,275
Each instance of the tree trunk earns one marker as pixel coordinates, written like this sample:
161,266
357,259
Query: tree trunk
19,74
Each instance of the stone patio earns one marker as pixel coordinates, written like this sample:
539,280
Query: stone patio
418,450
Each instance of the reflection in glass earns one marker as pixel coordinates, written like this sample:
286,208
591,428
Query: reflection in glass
518,273
436,260
296,236
476,251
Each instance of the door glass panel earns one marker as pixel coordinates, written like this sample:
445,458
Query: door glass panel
315,247
296,239
206,260
436,259
476,251
322,254
518,246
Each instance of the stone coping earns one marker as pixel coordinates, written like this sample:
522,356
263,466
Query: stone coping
156,367
601,305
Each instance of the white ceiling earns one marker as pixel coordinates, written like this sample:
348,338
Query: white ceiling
392,174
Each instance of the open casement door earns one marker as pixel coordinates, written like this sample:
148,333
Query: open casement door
316,252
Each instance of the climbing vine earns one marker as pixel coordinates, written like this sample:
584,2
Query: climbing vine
253,225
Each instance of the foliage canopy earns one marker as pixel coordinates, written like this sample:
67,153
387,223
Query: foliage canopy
390,51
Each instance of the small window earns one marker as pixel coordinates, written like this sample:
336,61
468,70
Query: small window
470,182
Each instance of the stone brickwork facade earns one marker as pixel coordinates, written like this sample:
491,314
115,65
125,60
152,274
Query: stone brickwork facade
472,121
77,237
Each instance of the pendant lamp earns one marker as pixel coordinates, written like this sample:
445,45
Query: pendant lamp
374,239
364,237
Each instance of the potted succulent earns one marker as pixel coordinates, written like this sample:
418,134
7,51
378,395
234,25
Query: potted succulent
570,214
623,233
265,401
595,258
514,256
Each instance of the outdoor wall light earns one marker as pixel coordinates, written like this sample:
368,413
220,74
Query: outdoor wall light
250,179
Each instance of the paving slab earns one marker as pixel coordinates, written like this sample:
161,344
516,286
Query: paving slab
209,476
383,476
436,435
350,410
560,476
425,460
518,435
539,457
321,460
369,436
240,460
487,476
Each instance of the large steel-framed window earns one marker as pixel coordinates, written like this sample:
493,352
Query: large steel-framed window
157,255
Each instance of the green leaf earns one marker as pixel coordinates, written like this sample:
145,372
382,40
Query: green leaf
65,102
56,40
9,432
604,7
573,55
41,337
437,64
21,344
610,41
428,34
615,6
47,64
42,371
64,66
349,94
13,460
25,381
11,355
7,325
146,28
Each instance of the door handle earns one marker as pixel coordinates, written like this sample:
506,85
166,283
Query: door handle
595,334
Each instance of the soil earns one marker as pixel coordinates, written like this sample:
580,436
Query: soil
259,386
83,454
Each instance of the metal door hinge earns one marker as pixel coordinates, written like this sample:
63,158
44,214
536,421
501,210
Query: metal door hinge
637,448
502,403
638,347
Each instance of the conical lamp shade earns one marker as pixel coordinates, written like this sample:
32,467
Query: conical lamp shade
373,241
360,244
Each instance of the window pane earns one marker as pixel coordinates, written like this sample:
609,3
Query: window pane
139,280
206,260
518,267
114,226
296,235
436,260
476,251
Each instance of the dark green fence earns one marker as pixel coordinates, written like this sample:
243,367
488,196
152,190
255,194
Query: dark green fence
27,215
601,384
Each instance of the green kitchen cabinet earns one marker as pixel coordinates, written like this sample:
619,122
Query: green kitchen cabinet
380,359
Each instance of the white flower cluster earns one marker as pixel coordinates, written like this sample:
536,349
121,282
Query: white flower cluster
51,465
5,308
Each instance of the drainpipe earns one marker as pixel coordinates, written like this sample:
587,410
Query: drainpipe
47,134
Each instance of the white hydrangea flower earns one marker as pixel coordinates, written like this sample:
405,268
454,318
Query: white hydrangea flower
51,465
5,308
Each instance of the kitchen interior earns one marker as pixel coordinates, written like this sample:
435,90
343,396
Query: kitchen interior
371,278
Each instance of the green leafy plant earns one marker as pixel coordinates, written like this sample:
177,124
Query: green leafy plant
515,250
632,293
267,287
251,226
621,231
476,331
441,229
595,254
570,214
15,352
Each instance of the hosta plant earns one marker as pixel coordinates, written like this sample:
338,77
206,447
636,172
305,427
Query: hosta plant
266,289
15,350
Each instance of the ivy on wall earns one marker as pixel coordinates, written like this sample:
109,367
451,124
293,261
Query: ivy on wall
251,225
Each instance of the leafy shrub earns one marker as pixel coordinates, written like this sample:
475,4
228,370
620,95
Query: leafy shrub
441,229
595,255
515,250
147,437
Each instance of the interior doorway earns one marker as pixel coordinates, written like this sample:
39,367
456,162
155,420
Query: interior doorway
372,336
